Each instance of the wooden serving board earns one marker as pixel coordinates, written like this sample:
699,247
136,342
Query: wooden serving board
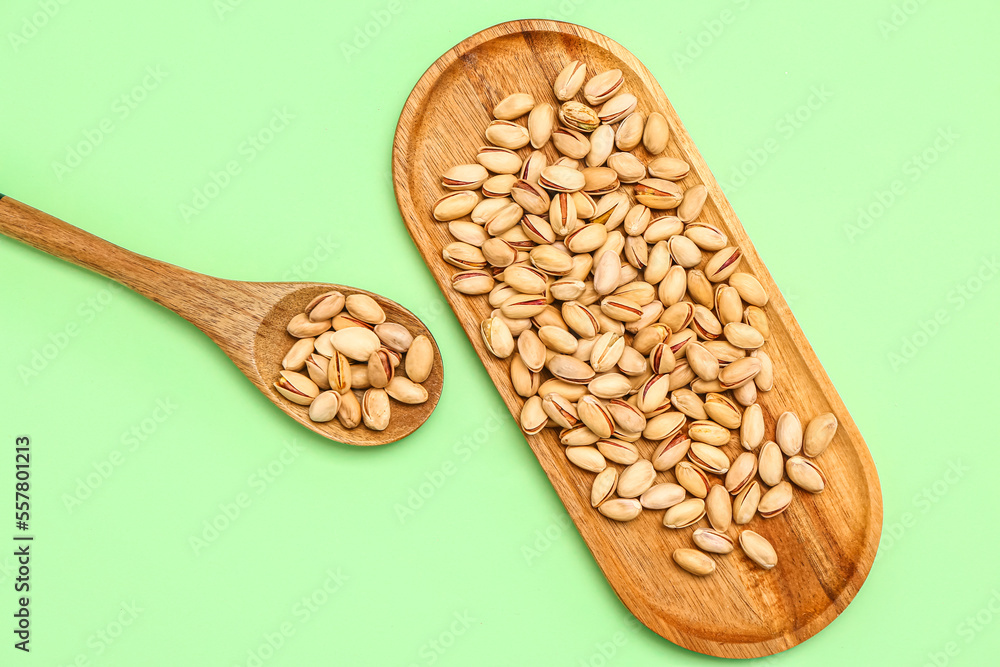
826,543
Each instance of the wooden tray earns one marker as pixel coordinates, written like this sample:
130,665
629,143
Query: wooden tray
825,543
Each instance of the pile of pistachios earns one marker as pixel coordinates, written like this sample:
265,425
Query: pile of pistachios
354,362
629,326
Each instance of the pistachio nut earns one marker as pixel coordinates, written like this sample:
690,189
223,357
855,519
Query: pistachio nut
570,369
498,160
419,359
632,363
723,264
662,496
295,358
745,394
526,382
741,472
464,177
611,210
636,479
819,434
694,200
472,282
764,380
710,459
375,409
694,561
705,236
692,478
497,338
461,255
771,464
617,108
652,393
756,318
805,474
513,106
324,407
602,142
603,86
719,508
788,433
670,452
656,134
531,168
628,167
580,319
570,143
664,426
406,391
728,305
713,541
745,504
671,289
455,205
296,387
629,133
752,428
658,193
758,549
587,457
626,416
569,80
604,486
541,122
533,418
662,228
561,179
719,408
301,326
326,306
685,513
620,509
668,168
739,373
530,196
339,375
551,260
507,134
743,336
349,413
776,500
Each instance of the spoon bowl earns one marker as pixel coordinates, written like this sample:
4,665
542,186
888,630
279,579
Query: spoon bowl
246,319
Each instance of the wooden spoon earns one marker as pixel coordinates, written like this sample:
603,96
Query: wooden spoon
825,543
247,320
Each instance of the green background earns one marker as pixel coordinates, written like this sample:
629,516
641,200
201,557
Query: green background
857,142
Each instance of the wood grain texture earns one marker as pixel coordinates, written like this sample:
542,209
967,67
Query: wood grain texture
826,543
246,319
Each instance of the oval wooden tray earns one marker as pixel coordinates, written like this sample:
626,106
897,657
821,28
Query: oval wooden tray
826,543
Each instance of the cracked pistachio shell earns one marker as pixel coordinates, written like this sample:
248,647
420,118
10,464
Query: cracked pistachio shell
326,306
685,513
339,375
455,205
380,369
375,409
670,452
617,108
578,116
658,193
713,541
604,486
464,177
628,167
571,143
741,472
745,504
316,367
569,81
722,410
497,337
776,500
603,86
296,387
533,418
561,179
692,478
805,474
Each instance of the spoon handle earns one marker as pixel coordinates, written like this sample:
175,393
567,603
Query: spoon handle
194,296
